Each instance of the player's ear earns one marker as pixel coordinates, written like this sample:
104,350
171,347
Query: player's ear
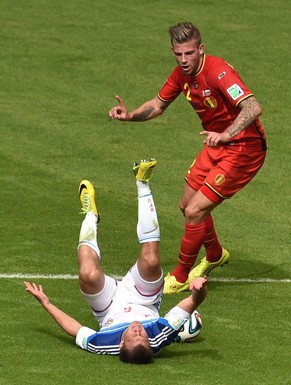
121,344
201,49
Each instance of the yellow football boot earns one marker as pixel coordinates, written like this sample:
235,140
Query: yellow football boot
87,198
143,171
205,267
172,286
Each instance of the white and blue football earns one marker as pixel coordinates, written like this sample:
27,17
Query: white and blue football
191,328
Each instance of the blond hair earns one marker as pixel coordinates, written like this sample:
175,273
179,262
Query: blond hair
184,32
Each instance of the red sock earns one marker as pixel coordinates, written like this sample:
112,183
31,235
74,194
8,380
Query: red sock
190,245
211,243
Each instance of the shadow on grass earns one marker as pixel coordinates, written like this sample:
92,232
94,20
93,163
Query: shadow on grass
64,338
239,268
184,351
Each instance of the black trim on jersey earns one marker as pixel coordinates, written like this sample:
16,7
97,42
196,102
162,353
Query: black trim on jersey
263,140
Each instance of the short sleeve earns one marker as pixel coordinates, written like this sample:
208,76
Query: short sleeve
172,87
176,317
82,336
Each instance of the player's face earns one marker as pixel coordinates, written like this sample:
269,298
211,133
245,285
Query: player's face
189,56
134,335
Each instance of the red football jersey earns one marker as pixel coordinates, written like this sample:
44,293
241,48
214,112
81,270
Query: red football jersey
214,93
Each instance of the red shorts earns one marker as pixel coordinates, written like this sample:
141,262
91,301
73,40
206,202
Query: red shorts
219,172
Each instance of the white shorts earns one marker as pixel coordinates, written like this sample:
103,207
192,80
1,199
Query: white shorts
132,289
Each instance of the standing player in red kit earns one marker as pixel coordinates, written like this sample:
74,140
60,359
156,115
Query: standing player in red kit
234,145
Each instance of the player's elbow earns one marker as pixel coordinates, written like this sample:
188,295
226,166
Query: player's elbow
258,110
253,105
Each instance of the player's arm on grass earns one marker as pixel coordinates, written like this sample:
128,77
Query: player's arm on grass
148,110
199,292
67,323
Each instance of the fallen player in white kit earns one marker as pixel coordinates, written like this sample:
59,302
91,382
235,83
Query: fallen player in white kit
128,310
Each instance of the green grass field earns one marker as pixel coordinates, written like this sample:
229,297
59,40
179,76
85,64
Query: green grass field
62,63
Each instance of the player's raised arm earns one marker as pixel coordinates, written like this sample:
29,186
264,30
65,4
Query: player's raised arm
67,323
148,110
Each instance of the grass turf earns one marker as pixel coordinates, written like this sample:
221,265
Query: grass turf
61,66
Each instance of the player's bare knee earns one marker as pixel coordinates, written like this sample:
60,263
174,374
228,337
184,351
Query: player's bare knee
152,261
88,275
193,214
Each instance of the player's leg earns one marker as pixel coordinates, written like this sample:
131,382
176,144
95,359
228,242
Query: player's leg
97,288
231,174
194,215
91,277
199,228
215,254
148,230
196,232
143,284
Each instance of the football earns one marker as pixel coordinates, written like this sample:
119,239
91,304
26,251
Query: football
191,328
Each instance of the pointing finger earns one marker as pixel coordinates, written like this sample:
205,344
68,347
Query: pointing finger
118,98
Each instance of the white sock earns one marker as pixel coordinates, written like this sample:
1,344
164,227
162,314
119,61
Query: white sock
142,188
88,233
148,229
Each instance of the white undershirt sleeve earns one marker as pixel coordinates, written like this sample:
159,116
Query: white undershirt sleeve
177,317
82,336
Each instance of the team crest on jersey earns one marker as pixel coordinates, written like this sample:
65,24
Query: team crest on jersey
235,91
108,322
210,102
219,179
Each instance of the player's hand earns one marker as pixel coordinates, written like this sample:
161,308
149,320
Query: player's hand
37,292
198,283
212,138
119,112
